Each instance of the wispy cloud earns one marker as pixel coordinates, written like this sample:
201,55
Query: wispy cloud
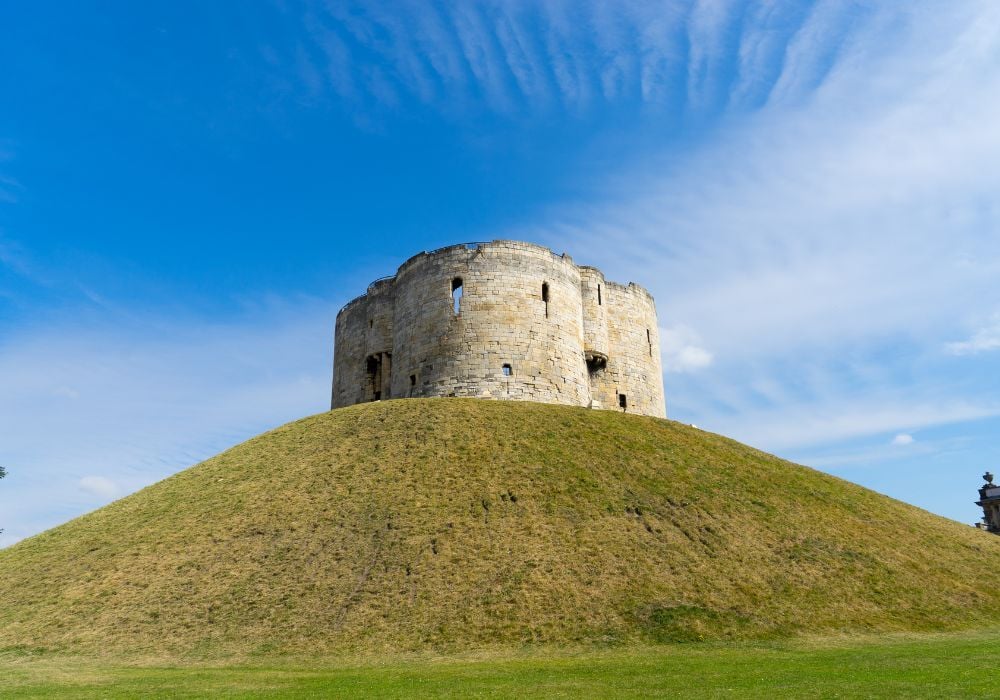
824,248
815,423
983,340
569,54
96,408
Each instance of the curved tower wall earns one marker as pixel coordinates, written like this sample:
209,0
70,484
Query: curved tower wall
362,343
527,327
362,351
595,318
633,368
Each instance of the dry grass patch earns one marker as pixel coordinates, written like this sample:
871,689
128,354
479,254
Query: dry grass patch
451,524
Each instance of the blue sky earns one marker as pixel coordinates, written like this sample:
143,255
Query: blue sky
189,191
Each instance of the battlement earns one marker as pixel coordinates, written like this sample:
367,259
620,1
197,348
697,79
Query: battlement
501,320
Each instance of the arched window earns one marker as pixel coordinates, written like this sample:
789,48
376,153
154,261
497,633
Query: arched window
545,297
456,294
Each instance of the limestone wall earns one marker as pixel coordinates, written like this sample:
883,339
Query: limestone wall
528,325
633,368
364,335
595,317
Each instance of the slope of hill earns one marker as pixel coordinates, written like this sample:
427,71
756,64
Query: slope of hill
453,524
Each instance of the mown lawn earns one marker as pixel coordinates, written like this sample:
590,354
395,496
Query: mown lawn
937,666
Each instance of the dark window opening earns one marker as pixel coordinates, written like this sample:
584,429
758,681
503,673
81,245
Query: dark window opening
596,361
377,374
456,294
622,402
371,323
649,339
507,371
413,380
545,297
598,295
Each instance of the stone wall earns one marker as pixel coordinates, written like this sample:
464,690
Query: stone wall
502,320
632,378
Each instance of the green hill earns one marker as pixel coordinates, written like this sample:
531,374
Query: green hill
453,524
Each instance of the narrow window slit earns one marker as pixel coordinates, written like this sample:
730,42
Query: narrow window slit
545,297
598,295
649,339
456,294
622,401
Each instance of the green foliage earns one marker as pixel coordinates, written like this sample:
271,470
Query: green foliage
451,524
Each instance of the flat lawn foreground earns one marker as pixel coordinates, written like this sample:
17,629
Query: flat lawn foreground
911,666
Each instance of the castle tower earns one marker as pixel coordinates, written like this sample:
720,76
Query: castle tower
989,501
500,320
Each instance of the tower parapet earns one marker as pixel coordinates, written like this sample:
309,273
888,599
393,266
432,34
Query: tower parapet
501,320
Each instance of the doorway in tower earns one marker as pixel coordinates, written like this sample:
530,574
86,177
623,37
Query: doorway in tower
377,376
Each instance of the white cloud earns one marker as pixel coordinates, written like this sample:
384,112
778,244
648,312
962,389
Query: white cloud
983,340
803,424
800,220
99,486
682,351
573,54
902,439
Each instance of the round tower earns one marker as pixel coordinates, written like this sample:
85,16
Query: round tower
501,320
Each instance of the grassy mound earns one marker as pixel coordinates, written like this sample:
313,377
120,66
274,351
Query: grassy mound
454,524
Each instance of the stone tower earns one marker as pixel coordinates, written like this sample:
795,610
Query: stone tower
500,320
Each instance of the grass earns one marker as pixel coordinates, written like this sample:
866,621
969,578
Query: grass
929,666
452,525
